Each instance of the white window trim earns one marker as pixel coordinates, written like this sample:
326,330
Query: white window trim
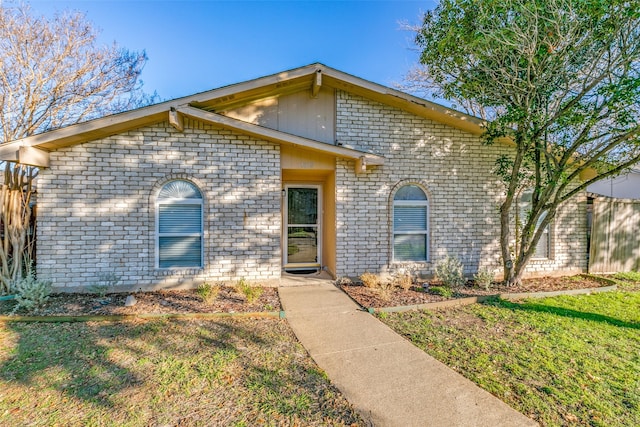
158,235
522,214
425,232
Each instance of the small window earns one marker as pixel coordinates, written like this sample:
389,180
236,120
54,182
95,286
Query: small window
179,221
543,248
410,224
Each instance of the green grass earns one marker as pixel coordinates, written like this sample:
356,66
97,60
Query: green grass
224,372
629,281
565,361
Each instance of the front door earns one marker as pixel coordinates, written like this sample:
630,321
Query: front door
302,238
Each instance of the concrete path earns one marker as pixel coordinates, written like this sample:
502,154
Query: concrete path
389,381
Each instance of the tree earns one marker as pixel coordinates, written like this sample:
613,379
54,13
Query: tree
52,74
558,78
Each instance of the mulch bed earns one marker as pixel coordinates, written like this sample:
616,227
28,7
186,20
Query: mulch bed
157,302
369,297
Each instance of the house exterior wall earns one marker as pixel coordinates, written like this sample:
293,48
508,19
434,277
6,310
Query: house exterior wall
623,186
456,171
96,222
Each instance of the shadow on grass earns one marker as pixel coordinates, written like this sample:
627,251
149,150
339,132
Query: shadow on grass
564,312
159,372
78,360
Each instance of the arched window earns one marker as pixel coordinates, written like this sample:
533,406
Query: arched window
410,224
179,225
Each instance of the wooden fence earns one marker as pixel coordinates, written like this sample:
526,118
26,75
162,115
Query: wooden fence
615,235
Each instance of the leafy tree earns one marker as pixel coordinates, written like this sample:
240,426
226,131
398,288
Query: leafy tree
52,74
558,78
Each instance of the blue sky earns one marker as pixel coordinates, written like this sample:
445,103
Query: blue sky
195,46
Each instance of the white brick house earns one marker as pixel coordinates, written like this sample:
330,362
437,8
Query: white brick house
308,169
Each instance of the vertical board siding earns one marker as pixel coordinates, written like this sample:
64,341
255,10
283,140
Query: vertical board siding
615,236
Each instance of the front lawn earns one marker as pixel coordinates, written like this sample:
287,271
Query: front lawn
226,372
561,361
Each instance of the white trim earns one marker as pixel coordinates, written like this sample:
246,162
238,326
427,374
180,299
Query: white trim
177,201
285,230
425,232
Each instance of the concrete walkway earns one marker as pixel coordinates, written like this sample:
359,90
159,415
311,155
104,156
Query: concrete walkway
389,381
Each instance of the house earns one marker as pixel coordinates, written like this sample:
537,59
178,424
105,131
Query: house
304,170
624,186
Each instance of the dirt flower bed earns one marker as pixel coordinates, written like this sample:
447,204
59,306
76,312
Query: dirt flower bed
157,302
424,293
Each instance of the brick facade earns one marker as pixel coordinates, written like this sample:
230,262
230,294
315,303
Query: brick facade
96,208
456,171
96,203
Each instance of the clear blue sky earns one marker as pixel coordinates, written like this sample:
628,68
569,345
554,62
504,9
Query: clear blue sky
195,46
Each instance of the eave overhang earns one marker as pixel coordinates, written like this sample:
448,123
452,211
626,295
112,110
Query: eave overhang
205,105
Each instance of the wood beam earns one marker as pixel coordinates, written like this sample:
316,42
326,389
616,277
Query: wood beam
317,84
175,120
9,152
361,165
33,156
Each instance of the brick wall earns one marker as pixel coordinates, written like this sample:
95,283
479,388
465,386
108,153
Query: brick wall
96,207
96,213
456,171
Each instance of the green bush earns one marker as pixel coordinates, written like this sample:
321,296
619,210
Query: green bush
208,292
449,271
443,291
484,277
31,293
251,293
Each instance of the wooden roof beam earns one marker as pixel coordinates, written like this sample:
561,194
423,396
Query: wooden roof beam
175,120
31,156
317,84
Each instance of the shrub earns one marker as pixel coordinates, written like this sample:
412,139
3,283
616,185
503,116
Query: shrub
370,280
208,292
251,293
449,271
484,277
443,291
403,281
31,293
384,289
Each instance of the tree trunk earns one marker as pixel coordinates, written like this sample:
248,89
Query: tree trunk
505,231
15,218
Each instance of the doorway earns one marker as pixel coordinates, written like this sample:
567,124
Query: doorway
303,232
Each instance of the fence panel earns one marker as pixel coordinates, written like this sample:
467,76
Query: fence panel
615,236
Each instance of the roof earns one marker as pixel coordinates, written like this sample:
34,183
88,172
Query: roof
205,105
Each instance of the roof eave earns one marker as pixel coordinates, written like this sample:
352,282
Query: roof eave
222,98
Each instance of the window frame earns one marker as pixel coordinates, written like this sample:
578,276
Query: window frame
523,208
178,201
410,203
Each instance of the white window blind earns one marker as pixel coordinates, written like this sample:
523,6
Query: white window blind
179,218
410,224
543,247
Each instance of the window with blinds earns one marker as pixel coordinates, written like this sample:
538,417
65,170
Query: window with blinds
410,224
179,225
543,247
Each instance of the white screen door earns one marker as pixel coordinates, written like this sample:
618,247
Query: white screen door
302,217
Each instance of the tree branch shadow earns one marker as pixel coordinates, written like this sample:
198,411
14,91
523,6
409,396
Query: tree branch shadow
563,312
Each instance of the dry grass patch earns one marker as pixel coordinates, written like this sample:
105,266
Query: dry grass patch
224,372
